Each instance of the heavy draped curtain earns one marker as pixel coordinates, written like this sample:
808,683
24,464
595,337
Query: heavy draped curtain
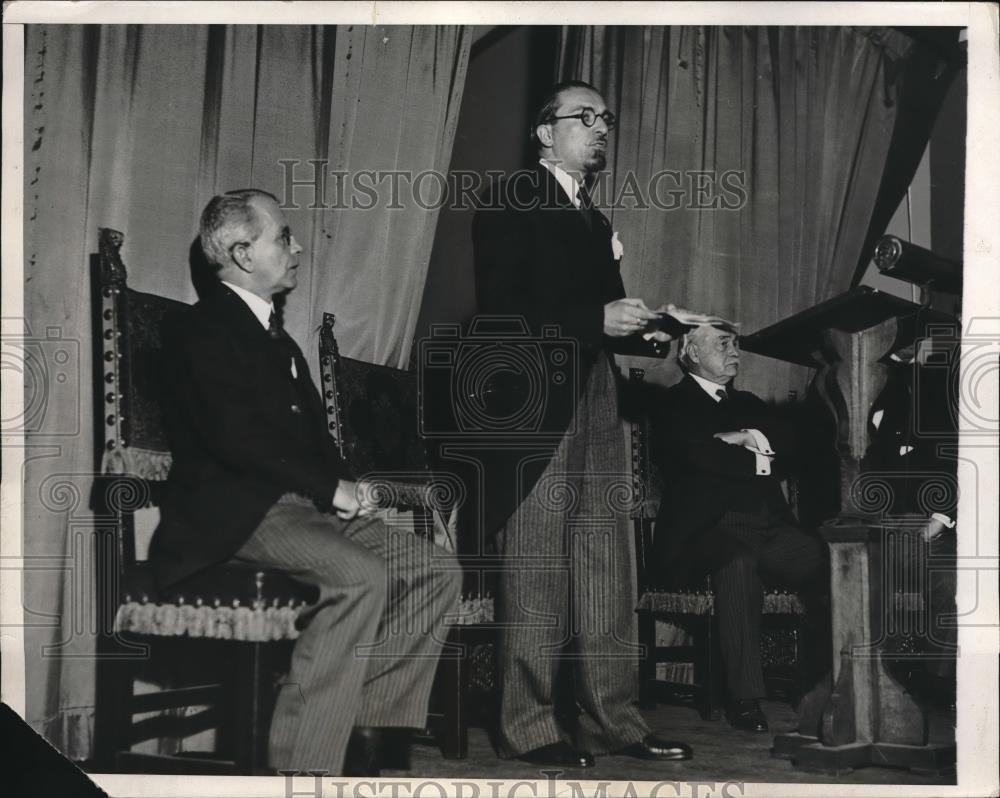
803,116
135,128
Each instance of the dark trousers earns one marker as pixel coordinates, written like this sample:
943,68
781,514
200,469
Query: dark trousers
767,549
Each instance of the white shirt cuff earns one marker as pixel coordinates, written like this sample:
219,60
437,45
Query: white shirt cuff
948,522
762,452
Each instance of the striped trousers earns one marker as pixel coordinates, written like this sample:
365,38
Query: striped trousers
568,590
369,648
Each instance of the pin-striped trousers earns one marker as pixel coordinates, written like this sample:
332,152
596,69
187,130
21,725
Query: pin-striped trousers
370,645
567,591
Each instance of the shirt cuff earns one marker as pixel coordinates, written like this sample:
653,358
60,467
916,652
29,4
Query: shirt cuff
762,452
944,519
763,445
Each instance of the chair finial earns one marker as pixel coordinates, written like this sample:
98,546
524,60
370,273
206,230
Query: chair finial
109,245
327,341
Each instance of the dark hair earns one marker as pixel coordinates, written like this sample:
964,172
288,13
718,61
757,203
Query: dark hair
227,219
551,105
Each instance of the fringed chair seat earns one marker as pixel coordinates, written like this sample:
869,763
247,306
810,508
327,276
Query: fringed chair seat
702,602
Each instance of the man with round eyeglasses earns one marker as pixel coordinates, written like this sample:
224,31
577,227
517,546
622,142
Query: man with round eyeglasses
544,254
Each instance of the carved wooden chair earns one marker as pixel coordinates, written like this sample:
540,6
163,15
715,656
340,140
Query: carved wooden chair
372,413
214,647
692,611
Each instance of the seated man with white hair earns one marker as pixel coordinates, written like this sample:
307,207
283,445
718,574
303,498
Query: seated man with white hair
723,512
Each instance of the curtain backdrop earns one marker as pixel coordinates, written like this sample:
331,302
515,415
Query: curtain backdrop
135,128
801,117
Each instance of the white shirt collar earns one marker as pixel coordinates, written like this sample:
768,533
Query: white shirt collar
709,387
260,308
566,181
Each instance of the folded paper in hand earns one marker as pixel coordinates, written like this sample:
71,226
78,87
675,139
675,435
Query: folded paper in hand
679,322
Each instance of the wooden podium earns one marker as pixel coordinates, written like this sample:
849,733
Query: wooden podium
867,718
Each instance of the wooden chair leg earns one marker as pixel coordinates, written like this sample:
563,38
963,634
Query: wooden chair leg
453,673
711,673
801,666
115,684
251,696
647,661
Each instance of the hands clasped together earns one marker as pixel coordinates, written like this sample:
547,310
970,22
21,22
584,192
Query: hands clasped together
354,499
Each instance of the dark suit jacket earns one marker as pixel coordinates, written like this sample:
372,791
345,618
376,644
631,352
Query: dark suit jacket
914,448
536,257
242,433
705,478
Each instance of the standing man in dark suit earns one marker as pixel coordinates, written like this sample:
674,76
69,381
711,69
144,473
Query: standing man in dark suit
545,255
723,511
256,477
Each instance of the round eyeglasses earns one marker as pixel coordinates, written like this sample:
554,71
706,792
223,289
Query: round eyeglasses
588,116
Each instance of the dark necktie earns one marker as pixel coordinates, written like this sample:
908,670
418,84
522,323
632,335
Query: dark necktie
279,336
288,348
723,395
586,205
273,326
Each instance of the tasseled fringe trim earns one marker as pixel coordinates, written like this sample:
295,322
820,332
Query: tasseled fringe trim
142,463
703,603
258,623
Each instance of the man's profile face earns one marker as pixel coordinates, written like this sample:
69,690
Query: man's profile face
274,251
716,356
576,147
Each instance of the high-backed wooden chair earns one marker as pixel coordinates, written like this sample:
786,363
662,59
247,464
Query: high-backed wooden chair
693,610
372,413
208,652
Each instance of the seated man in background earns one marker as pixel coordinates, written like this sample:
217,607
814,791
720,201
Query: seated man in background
257,478
914,452
723,512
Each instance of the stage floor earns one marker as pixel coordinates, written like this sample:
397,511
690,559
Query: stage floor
721,754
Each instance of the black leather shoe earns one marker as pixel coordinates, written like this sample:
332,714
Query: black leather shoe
653,747
746,715
362,755
559,755
394,748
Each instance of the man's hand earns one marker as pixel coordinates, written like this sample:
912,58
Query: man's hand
625,317
736,438
932,529
353,499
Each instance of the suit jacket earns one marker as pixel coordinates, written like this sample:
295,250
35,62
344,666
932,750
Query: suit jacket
242,432
913,449
537,257
705,478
